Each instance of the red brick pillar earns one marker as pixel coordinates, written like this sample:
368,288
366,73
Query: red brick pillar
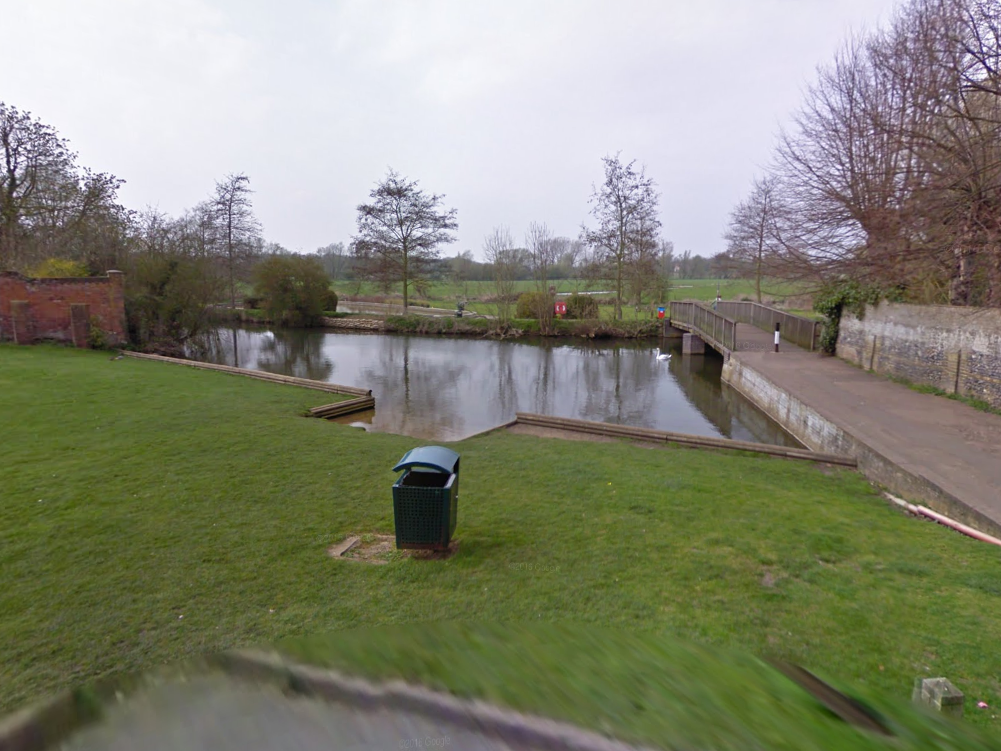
80,324
21,323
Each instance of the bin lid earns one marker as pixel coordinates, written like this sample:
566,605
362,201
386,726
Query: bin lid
432,457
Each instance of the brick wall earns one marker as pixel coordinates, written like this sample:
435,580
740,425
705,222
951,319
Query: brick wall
956,349
61,309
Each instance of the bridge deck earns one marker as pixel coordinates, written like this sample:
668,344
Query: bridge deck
752,339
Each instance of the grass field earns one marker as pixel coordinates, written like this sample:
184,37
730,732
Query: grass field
445,294
645,687
150,513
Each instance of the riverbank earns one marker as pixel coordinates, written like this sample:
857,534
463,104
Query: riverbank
152,513
465,326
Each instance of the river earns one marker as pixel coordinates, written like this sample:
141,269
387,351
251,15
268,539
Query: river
446,388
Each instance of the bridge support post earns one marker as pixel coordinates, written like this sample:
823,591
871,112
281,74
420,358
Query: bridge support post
670,332
692,344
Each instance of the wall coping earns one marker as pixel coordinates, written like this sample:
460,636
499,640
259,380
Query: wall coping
57,279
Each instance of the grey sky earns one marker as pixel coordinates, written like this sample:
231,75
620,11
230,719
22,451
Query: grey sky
506,107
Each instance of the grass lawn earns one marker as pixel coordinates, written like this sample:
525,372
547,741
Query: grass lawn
644,687
445,294
150,512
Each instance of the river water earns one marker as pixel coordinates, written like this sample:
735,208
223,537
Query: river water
446,388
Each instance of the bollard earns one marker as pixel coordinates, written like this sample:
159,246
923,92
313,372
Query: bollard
939,694
776,336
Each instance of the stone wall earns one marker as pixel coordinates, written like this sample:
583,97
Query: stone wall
953,348
61,309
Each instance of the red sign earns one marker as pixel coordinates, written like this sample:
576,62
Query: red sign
561,308
660,312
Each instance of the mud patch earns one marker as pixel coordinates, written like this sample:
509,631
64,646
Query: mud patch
381,549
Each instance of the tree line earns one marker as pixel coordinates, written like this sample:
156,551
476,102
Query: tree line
890,174
59,217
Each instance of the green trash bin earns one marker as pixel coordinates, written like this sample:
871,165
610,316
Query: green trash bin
425,498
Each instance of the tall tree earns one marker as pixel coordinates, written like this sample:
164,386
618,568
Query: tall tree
626,209
400,231
49,207
505,262
541,256
753,233
236,230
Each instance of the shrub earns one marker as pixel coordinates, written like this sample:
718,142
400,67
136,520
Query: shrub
534,305
96,336
253,302
293,289
167,298
582,307
330,301
59,268
836,297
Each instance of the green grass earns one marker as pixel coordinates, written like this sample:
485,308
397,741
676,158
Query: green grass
643,687
445,294
133,493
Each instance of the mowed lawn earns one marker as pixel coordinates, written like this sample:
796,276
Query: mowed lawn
445,294
151,512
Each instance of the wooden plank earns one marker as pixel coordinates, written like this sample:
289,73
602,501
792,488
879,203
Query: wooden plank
339,409
848,709
649,434
258,374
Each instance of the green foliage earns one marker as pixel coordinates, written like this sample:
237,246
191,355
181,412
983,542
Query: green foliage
96,337
294,289
330,301
536,305
168,297
59,268
582,307
252,302
648,688
836,297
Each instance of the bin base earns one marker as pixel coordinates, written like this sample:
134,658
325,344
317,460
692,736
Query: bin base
421,546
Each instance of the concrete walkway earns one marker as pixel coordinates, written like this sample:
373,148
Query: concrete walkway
951,446
212,713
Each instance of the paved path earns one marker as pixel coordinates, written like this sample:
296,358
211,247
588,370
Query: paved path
214,712
952,445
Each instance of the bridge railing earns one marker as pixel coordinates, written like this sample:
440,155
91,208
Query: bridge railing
801,331
711,324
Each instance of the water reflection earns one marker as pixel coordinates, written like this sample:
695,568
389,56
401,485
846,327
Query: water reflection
440,388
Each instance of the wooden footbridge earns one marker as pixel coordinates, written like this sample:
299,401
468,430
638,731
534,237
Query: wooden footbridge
733,326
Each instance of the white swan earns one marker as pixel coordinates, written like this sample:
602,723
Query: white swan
662,356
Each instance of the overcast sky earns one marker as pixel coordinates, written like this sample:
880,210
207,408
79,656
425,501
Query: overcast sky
505,107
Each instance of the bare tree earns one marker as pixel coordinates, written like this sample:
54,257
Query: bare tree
626,209
541,256
48,206
892,173
505,260
236,231
542,253
399,233
462,269
753,234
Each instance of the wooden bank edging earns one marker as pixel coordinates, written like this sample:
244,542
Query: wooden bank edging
339,409
259,374
684,439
